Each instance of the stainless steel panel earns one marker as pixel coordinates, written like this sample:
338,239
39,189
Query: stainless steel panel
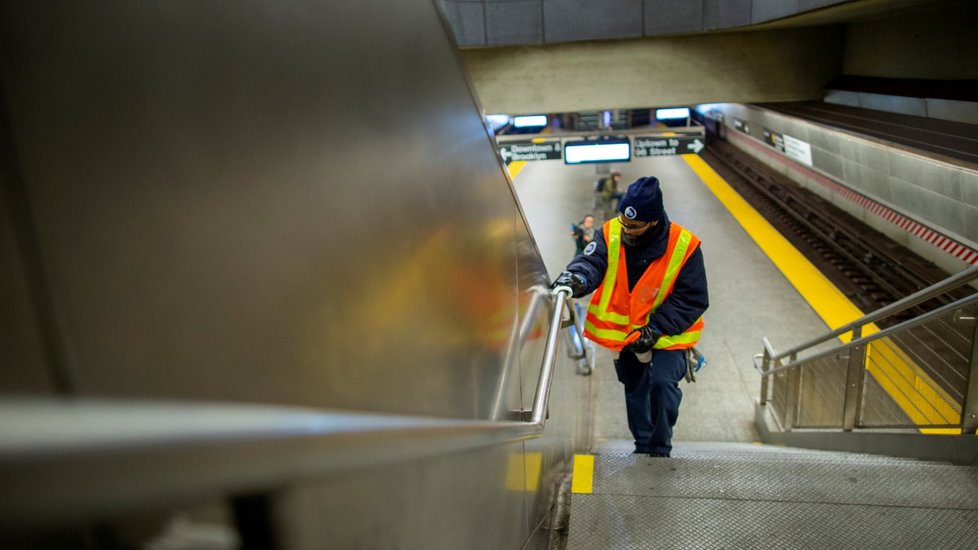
437,501
287,203
283,202
24,369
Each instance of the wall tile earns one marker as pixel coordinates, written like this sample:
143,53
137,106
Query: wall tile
927,175
519,22
671,17
567,20
467,21
914,106
768,10
725,14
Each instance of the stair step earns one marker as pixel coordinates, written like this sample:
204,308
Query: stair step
736,495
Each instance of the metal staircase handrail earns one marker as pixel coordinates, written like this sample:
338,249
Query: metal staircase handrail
919,320
918,297
67,459
795,388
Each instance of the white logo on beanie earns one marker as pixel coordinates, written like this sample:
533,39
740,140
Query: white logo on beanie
630,212
589,249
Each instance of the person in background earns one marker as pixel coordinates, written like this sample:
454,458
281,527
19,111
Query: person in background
606,194
649,284
610,191
583,233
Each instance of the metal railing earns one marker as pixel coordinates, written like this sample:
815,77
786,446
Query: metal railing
61,460
918,374
580,348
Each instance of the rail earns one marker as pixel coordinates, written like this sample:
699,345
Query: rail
952,282
63,460
919,374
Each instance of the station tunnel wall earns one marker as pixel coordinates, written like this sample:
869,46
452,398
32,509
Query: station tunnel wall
936,195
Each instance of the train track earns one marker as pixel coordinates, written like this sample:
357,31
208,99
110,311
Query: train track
871,269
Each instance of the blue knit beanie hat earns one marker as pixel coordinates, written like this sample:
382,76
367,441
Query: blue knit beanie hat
643,201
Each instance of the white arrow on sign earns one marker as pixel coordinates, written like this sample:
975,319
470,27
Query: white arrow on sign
696,146
505,153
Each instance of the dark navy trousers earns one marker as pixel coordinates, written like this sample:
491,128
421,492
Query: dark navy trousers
652,397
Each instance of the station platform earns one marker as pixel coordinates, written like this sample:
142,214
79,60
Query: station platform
722,488
750,297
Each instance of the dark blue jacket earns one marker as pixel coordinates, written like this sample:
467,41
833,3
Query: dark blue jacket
689,297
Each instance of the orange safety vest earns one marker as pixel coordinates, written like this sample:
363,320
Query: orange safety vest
615,312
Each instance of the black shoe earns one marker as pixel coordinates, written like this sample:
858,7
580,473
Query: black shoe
656,455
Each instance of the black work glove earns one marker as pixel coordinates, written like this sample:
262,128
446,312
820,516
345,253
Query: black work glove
647,337
575,282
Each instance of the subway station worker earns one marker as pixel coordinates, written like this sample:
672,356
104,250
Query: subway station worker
649,286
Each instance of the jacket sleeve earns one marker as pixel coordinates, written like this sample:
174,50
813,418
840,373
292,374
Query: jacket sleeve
592,266
688,301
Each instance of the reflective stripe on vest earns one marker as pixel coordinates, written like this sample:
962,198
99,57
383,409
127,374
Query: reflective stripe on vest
615,311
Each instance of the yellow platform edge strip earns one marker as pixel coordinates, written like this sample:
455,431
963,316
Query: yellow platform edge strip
905,382
515,168
582,481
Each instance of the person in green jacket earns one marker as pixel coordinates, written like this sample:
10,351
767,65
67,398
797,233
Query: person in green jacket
607,196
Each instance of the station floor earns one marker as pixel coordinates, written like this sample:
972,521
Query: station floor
721,489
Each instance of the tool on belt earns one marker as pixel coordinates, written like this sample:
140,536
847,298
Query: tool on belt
694,362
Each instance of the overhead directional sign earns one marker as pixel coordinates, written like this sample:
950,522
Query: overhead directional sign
529,150
611,149
659,146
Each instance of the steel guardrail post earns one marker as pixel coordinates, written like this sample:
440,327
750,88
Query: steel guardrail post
855,377
765,367
969,409
793,397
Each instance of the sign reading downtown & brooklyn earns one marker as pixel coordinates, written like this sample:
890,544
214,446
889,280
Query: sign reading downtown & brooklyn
528,150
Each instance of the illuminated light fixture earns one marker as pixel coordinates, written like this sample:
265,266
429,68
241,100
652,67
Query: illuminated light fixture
497,120
529,121
581,152
672,114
